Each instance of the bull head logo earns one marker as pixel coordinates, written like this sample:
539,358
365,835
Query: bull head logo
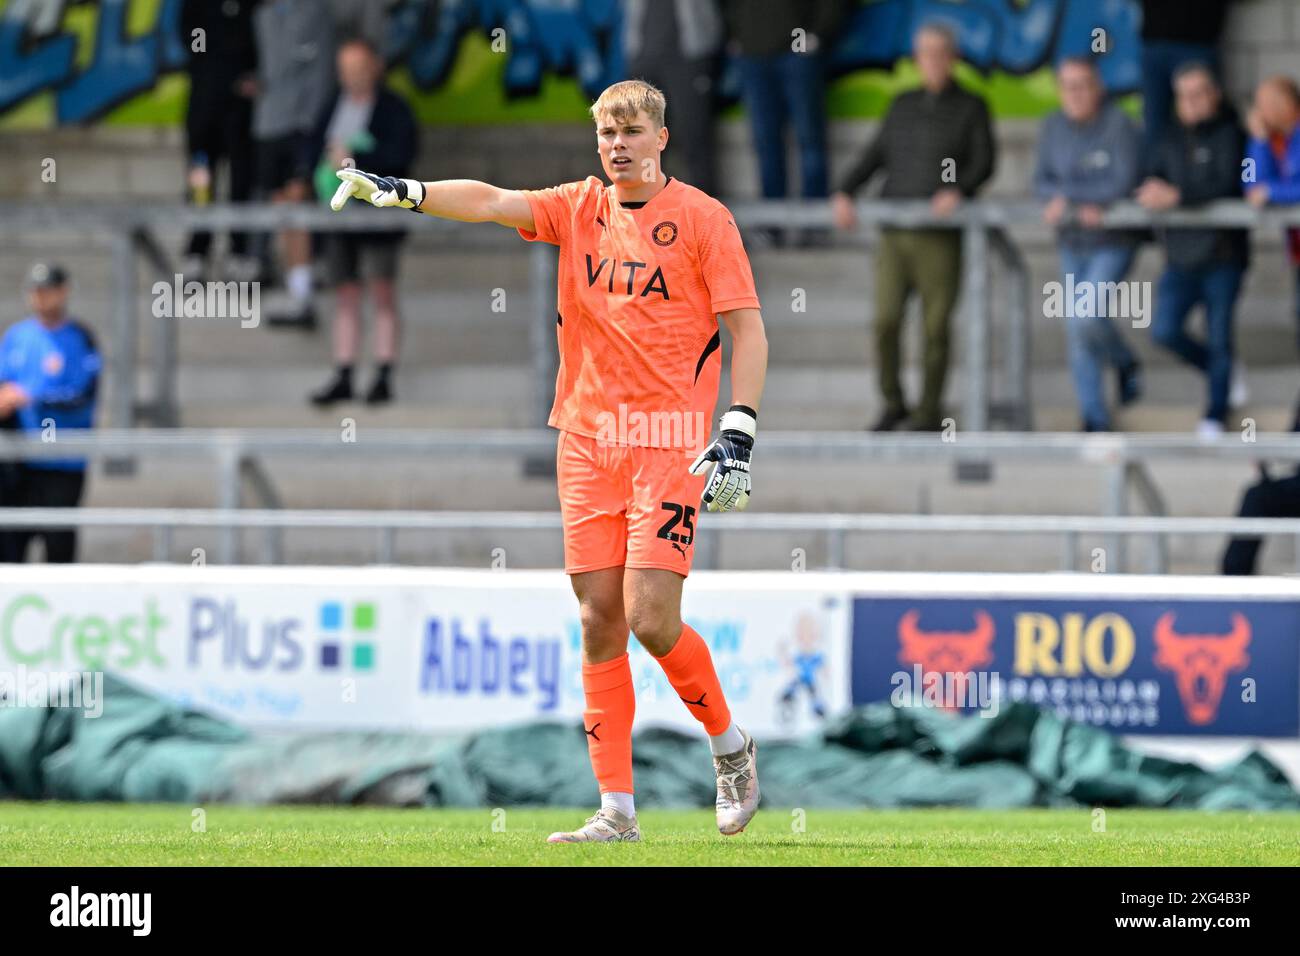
951,651
1201,663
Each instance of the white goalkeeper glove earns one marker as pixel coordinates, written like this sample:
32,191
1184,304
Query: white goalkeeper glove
377,190
728,489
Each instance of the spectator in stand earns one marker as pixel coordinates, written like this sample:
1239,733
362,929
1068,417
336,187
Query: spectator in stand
219,118
49,374
368,19
1174,32
935,143
1199,160
369,127
675,46
1087,159
1274,148
295,56
1268,498
780,47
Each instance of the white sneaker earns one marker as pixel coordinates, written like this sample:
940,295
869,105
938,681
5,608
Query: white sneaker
1238,390
607,826
1209,429
737,787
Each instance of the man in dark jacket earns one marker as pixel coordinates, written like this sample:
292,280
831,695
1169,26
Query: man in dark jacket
1199,160
1268,498
219,117
368,127
936,143
781,48
1174,32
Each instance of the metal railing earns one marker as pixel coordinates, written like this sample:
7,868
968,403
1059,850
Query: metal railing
132,231
833,527
239,459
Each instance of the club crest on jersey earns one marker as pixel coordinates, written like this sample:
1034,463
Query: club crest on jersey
628,281
665,234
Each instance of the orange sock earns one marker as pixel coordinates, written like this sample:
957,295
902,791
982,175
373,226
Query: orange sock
611,704
689,667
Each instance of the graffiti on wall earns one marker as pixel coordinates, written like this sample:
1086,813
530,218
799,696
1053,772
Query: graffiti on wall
41,54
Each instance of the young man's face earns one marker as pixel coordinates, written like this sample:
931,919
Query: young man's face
629,148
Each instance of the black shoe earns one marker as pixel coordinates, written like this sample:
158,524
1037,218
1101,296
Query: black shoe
338,390
380,392
1094,427
304,319
890,419
1130,383
925,422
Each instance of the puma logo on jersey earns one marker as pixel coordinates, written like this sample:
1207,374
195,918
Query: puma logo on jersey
655,283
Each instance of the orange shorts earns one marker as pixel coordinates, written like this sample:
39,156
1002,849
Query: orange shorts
626,506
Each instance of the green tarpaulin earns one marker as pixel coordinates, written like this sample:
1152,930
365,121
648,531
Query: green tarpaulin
144,748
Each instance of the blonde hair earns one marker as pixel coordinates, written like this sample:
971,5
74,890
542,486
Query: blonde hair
624,100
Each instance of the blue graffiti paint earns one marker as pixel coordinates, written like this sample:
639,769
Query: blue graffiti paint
24,73
578,38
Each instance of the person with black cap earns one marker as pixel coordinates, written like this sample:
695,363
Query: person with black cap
49,375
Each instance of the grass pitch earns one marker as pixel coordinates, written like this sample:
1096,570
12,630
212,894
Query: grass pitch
64,834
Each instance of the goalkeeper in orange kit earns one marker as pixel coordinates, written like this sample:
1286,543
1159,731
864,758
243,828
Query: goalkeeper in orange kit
647,267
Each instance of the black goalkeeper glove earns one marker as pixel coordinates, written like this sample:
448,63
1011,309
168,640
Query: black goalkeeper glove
728,488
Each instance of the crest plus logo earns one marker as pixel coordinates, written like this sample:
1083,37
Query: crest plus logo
344,638
1201,663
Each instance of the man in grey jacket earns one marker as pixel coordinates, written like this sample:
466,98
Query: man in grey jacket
1087,159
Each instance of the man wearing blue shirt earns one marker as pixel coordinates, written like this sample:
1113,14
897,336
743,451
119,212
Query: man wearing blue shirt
49,373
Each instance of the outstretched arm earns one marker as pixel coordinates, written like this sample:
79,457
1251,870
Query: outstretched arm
465,200
469,200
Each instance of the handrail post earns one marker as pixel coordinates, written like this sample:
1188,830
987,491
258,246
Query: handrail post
1116,506
122,282
975,287
387,545
228,498
541,339
1070,551
835,549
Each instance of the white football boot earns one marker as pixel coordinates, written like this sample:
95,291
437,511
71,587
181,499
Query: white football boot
607,826
737,786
